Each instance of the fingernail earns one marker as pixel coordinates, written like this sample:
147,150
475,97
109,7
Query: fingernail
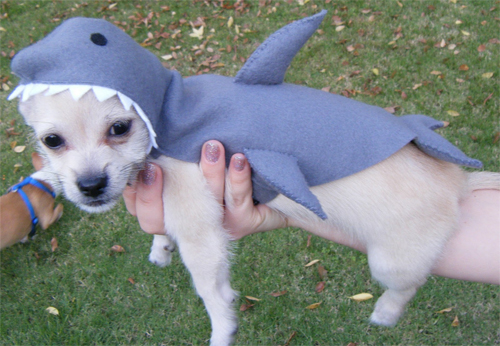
148,175
212,152
239,163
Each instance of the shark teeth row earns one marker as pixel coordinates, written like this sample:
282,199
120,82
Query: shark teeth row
25,91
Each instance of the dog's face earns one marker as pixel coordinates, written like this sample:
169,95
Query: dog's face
92,148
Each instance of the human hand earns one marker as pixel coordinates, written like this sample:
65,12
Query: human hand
241,216
234,192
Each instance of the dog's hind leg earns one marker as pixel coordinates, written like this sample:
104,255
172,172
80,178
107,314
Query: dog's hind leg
402,265
193,218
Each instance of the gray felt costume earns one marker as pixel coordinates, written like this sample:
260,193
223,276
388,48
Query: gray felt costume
293,136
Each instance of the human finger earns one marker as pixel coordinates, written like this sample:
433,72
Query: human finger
148,200
213,165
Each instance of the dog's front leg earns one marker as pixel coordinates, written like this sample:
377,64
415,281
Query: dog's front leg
194,218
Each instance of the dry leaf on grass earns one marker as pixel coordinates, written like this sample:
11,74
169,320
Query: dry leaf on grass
453,113
52,310
117,248
391,109
322,272
53,244
290,338
455,322
313,306
485,75
444,310
278,294
252,298
132,281
361,297
20,148
312,263
245,307
320,287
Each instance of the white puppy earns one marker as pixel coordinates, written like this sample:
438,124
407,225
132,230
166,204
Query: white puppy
403,209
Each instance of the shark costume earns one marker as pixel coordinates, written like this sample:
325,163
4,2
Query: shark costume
293,136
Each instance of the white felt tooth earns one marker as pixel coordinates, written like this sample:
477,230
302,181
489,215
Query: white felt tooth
56,89
17,91
102,93
77,91
27,92
152,133
38,88
125,100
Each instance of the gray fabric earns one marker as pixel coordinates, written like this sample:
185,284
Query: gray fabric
294,137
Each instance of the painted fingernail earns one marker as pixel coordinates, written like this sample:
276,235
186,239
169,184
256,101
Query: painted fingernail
148,175
212,152
239,163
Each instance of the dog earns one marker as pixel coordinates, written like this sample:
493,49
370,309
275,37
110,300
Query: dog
27,205
403,209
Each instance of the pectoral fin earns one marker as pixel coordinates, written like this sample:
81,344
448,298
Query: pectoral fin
283,174
435,145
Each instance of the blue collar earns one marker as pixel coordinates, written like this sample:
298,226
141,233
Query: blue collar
19,189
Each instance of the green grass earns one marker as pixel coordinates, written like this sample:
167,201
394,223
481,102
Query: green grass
90,285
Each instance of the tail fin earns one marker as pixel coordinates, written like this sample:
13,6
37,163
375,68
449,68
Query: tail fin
483,180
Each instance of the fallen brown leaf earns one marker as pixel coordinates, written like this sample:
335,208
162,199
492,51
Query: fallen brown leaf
312,263
245,307
455,322
481,48
444,310
117,248
309,240
361,297
277,294
252,298
463,67
322,272
391,109
287,343
53,244
496,138
313,306
132,281
320,287
489,96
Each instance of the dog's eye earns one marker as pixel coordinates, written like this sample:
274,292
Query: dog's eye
53,141
120,128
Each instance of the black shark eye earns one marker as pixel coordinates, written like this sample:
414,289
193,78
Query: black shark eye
53,141
120,128
99,39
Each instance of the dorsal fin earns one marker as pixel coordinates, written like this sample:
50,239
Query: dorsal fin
268,64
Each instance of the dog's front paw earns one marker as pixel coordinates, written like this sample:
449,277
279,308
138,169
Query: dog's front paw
161,251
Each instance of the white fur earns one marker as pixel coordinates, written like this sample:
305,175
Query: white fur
403,209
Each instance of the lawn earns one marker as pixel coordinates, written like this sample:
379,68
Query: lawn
439,58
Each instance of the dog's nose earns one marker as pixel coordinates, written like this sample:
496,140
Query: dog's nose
93,186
